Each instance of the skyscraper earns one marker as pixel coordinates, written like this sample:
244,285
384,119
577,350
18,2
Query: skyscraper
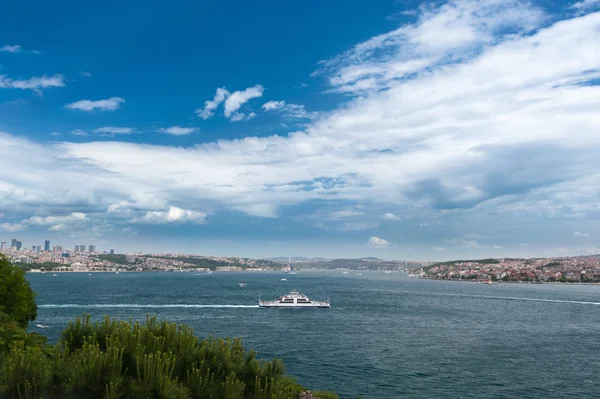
92,248
38,249
18,245
81,247
13,242
3,246
76,249
47,245
33,248
112,251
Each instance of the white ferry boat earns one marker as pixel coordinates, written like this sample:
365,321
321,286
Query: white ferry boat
294,300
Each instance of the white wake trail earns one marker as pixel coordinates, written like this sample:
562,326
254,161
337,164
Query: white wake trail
144,306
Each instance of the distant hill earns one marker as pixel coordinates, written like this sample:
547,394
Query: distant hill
367,263
284,259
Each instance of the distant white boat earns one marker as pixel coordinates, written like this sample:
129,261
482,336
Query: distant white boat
54,275
242,284
116,272
41,326
344,272
359,274
284,279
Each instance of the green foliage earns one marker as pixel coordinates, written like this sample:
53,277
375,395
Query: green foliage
154,359
17,299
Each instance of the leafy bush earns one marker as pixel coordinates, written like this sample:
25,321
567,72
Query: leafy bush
154,359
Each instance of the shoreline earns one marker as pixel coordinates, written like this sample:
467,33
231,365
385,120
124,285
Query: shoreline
510,282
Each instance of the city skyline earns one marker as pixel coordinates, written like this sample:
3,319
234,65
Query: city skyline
402,130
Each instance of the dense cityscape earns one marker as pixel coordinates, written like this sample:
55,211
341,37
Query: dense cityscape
86,258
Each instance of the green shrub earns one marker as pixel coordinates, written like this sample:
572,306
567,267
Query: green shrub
154,359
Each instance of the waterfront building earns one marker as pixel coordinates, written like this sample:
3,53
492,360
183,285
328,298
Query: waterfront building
47,245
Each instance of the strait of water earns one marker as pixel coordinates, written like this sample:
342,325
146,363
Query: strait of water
386,336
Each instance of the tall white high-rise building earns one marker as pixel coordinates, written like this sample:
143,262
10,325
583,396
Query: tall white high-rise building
3,246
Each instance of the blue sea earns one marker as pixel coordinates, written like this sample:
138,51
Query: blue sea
386,335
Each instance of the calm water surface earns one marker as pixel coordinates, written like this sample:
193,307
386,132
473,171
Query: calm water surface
386,336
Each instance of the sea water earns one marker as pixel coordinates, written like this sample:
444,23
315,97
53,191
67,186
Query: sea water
385,336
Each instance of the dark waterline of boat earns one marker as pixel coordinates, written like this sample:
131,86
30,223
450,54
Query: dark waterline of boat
385,336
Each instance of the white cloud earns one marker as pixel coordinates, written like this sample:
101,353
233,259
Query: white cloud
580,234
469,137
292,111
448,33
389,216
584,5
86,74
238,98
12,227
110,104
272,105
35,83
178,130
10,49
57,227
209,106
74,217
54,134
345,213
111,130
232,103
79,132
439,249
173,215
376,242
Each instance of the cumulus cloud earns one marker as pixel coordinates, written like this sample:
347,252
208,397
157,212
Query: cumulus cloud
232,102
580,234
173,215
35,83
389,216
238,98
111,130
376,242
178,130
272,105
110,104
210,106
12,227
79,132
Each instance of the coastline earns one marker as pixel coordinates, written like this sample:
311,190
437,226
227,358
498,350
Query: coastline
511,282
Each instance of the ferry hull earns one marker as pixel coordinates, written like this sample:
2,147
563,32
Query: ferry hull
293,305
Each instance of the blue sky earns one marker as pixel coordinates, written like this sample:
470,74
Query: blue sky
395,129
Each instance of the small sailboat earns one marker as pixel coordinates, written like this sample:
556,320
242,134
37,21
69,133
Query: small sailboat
54,275
242,285
284,279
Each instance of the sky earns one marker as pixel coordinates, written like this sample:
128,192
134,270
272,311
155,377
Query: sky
395,129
